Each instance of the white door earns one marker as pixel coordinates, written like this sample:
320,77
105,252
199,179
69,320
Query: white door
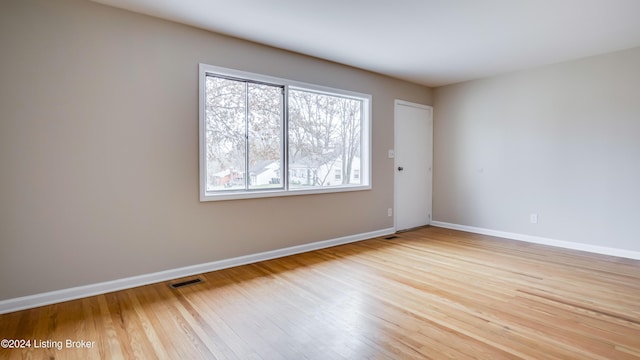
413,164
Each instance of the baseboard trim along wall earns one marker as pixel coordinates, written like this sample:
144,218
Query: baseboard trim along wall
629,254
52,297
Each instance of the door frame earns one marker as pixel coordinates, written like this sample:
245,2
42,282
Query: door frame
397,103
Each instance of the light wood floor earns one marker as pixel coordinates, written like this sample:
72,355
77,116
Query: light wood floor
430,293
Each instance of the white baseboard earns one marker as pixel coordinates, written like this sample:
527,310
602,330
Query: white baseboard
629,254
32,301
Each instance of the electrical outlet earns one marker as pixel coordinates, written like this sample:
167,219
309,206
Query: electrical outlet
533,218
389,212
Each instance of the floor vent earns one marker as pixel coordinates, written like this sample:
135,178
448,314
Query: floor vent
391,237
186,283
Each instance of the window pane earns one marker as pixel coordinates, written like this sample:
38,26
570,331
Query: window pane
225,128
265,136
324,140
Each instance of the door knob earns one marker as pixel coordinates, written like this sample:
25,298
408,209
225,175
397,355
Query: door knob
400,168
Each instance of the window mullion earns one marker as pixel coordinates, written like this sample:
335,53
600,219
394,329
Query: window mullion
285,138
247,173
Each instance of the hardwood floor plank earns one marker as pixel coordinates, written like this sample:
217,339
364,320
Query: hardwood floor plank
430,293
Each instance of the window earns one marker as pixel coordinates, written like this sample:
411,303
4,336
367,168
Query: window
263,136
243,134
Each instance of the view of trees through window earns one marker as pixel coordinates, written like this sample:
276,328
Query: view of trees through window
245,137
324,139
244,123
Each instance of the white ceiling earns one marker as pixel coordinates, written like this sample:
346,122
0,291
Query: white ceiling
431,42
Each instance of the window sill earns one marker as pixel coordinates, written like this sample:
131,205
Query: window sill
213,196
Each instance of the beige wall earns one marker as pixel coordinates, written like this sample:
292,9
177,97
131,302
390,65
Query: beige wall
562,141
99,149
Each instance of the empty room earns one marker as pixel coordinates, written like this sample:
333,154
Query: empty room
413,179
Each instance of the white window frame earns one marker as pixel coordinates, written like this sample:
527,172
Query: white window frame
365,171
